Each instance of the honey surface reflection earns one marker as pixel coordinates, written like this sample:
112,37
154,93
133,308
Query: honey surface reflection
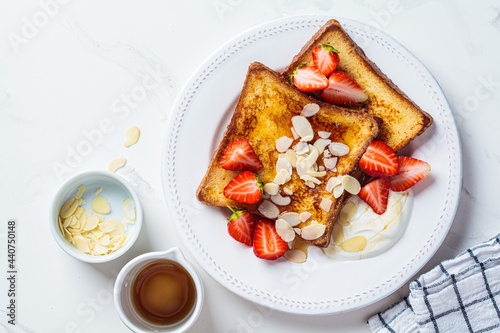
163,292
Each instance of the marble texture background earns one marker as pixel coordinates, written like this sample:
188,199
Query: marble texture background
72,70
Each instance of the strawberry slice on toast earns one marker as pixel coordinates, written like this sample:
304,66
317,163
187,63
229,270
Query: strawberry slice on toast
309,79
325,58
244,188
343,89
240,156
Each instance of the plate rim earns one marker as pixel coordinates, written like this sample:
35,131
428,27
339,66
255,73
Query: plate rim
287,305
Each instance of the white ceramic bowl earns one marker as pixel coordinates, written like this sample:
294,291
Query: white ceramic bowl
115,189
122,293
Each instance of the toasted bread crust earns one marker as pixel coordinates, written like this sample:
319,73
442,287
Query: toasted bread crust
403,119
263,114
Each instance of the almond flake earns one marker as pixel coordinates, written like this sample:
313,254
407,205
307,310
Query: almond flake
131,136
321,144
79,194
313,231
347,212
311,179
119,243
117,163
337,234
304,216
287,191
316,173
325,204
100,205
98,233
100,249
327,153
301,148
302,167
291,156
91,223
291,217
296,256
338,149
68,208
283,163
268,209
105,239
310,184
324,135
337,191
106,227
98,191
128,207
303,128
351,184
82,243
284,230
332,183
313,156
295,135
283,143
330,162
271,188
280,200
354,244
282,177
310,110
126,171
119,227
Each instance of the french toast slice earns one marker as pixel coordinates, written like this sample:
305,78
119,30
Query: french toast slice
263,114
402,119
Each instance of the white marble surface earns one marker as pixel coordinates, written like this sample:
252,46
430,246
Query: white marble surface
72,68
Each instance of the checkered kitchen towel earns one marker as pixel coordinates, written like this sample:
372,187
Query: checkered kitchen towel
459,295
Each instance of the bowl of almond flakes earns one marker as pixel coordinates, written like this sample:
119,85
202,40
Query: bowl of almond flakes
95,216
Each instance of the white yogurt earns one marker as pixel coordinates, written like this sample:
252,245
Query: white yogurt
381,231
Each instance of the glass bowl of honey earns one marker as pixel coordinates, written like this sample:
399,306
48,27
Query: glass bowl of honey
159,292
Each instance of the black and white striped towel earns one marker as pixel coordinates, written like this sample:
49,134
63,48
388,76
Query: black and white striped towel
459,295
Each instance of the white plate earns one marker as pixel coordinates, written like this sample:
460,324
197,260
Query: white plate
321,285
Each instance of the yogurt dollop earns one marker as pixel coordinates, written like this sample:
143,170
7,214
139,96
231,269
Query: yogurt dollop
360,233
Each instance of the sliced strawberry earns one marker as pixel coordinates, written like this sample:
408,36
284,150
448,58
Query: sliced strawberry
241,226
411,171
376,194
325,58
267,244
379,160
309,78
240,156
245,188
343,89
